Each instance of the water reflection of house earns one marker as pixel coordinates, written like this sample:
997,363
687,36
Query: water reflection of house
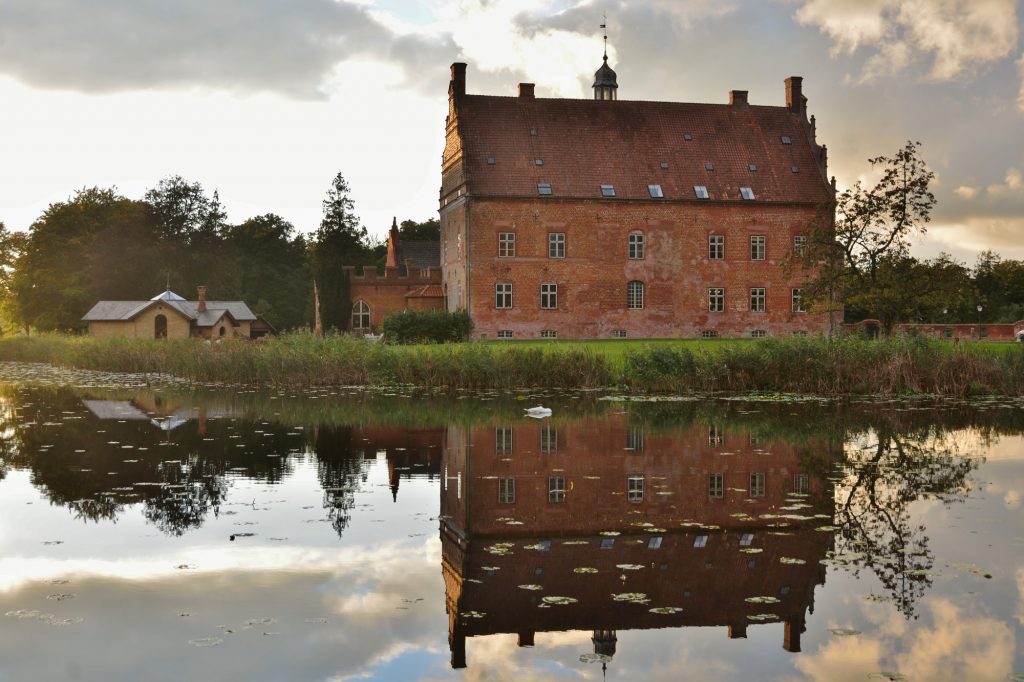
152,408
409,452
698,509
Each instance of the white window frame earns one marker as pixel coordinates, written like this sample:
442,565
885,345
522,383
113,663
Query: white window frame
635,246
556,244
503,440
549,296
506,490
635,295
506,245
758,299
716,486
716,247
635,487
556,489
716,300
758,247
361,310
757,487
503,295
800,244
797,300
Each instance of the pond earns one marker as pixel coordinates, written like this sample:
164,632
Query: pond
159,531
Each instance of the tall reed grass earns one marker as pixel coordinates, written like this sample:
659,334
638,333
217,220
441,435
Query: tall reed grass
841,366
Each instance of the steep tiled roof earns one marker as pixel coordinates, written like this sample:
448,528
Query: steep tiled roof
426,291
424,253
584,144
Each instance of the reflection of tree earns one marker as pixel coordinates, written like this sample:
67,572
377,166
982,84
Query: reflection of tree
341,473
872,507
189,493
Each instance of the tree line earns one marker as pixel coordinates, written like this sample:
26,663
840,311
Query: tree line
101,245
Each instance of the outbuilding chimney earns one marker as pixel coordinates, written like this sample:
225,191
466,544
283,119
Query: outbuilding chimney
202,299
526,90
738,98
457,87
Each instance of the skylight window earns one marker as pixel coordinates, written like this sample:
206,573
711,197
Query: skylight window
607,190
490,161
664,164
796,169
544,189
701,191
709,166
533,131
786,139
538,162
687,137
655,191
752,167
747,193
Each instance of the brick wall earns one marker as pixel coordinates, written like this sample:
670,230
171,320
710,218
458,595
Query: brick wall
593,277
385,294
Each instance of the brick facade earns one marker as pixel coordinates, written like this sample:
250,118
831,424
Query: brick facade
501,153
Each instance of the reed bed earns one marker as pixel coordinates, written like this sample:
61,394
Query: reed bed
828,367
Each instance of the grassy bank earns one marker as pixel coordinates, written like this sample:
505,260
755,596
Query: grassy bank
817,366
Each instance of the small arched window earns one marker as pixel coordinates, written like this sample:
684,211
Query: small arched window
361,315
635,295
160,327
221,331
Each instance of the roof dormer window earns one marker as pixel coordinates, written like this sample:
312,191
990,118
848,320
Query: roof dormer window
655,191
544,189
607,190
701,191
688,137
490,161
747,193
752,168
538,162
664,165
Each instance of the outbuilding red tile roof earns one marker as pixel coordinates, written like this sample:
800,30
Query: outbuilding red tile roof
426,291
583,144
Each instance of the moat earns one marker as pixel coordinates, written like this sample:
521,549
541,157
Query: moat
168,532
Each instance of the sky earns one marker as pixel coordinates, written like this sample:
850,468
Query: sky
266,100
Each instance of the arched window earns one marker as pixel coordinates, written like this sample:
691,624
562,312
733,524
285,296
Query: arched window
635,295
361,316
222,331
160,327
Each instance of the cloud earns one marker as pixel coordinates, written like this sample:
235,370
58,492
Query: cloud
236,45
957,35
1020,95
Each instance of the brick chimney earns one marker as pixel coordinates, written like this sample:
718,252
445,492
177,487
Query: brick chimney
457,87
794,94
526,91
738,98
202,299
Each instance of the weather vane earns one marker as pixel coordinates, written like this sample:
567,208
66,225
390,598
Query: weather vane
604,27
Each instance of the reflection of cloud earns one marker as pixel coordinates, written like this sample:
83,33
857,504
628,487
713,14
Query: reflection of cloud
956,646
1019,575
957,34
1020,95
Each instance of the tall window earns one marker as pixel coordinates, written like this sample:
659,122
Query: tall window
556,489
716,485
361,315
716,300
716,247
757,484
800,483
506,491
635,488
636,246
548,439
798,301
160,327
503,295
635,439
506,244
503,440
549,296
799,244
556,245
757,300
635,295
757,247
715,436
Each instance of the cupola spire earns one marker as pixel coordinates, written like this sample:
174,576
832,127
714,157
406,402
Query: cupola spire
605,83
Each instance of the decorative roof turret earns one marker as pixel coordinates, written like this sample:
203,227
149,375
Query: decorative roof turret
605,83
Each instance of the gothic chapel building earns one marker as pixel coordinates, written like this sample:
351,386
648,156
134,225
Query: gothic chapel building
605,218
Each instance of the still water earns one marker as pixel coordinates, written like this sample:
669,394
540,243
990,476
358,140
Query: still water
166,532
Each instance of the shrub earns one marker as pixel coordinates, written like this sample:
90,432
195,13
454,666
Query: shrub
427,326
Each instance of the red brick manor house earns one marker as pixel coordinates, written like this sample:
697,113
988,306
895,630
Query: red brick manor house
604,218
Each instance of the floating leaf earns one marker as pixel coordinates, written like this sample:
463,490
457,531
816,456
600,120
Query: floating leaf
751,550
843,632
595,658
531,587
629,567
790,560
888,675
762,600
206,642
666,610
584,569
473,614
634,597
558,601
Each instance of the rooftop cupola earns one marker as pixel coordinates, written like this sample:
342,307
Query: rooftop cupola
605,82
605,86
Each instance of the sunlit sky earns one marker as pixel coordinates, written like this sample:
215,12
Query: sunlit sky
265,100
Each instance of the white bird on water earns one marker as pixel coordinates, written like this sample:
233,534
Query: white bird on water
538,412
